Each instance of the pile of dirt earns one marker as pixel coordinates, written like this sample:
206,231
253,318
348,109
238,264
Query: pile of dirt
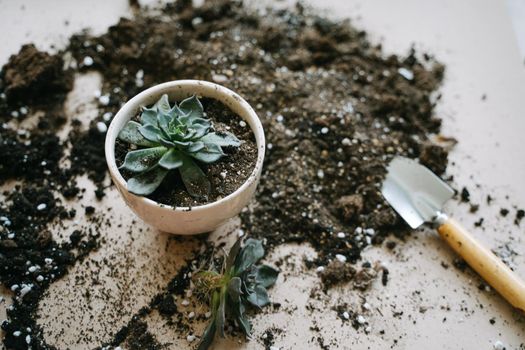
334,107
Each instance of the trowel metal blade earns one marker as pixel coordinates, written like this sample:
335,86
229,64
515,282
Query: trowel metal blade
415,192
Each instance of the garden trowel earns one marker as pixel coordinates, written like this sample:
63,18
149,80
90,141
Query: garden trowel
418,195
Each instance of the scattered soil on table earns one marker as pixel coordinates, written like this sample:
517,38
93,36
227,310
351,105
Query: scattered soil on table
226,175
335,109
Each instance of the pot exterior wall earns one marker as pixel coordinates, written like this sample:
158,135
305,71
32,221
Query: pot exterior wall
184,220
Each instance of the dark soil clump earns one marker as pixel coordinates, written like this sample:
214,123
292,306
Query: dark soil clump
226,175
35,76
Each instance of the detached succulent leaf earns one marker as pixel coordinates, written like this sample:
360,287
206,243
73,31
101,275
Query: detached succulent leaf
142,159
266,275
259,297
208,336
237,289
183,133
147,182
234,288
243,322
232,255
252,252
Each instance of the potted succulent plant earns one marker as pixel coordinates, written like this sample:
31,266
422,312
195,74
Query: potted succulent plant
186,155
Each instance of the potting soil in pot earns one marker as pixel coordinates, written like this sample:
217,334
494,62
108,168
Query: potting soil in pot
335,110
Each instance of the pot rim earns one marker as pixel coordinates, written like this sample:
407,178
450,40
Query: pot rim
131,107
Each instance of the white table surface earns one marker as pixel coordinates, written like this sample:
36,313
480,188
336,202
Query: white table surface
475,39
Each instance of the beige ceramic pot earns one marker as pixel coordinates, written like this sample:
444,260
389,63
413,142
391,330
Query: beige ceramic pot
183,220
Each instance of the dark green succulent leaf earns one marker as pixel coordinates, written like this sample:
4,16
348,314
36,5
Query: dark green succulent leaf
208,336
252,252
183,144
142,159
163,121
243,322
150,132
234,250
209,154
163,104
200,130
221,314
259,297
130,133
165,142
148,116
147,182
171,159
192,107
195,147
223,139
189,135
175,112
195,181
266,275
201,121
234,288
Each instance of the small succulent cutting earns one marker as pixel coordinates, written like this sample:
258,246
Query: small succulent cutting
173,138
241,284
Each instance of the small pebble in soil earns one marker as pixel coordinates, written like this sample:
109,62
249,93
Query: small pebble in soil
346,315
405,73
102,127
498,345
340,257
360,319
88,61
107,116
41,206
190,338
104,100
341,235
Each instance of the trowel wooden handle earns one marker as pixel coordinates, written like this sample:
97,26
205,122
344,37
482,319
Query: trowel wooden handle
485,263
